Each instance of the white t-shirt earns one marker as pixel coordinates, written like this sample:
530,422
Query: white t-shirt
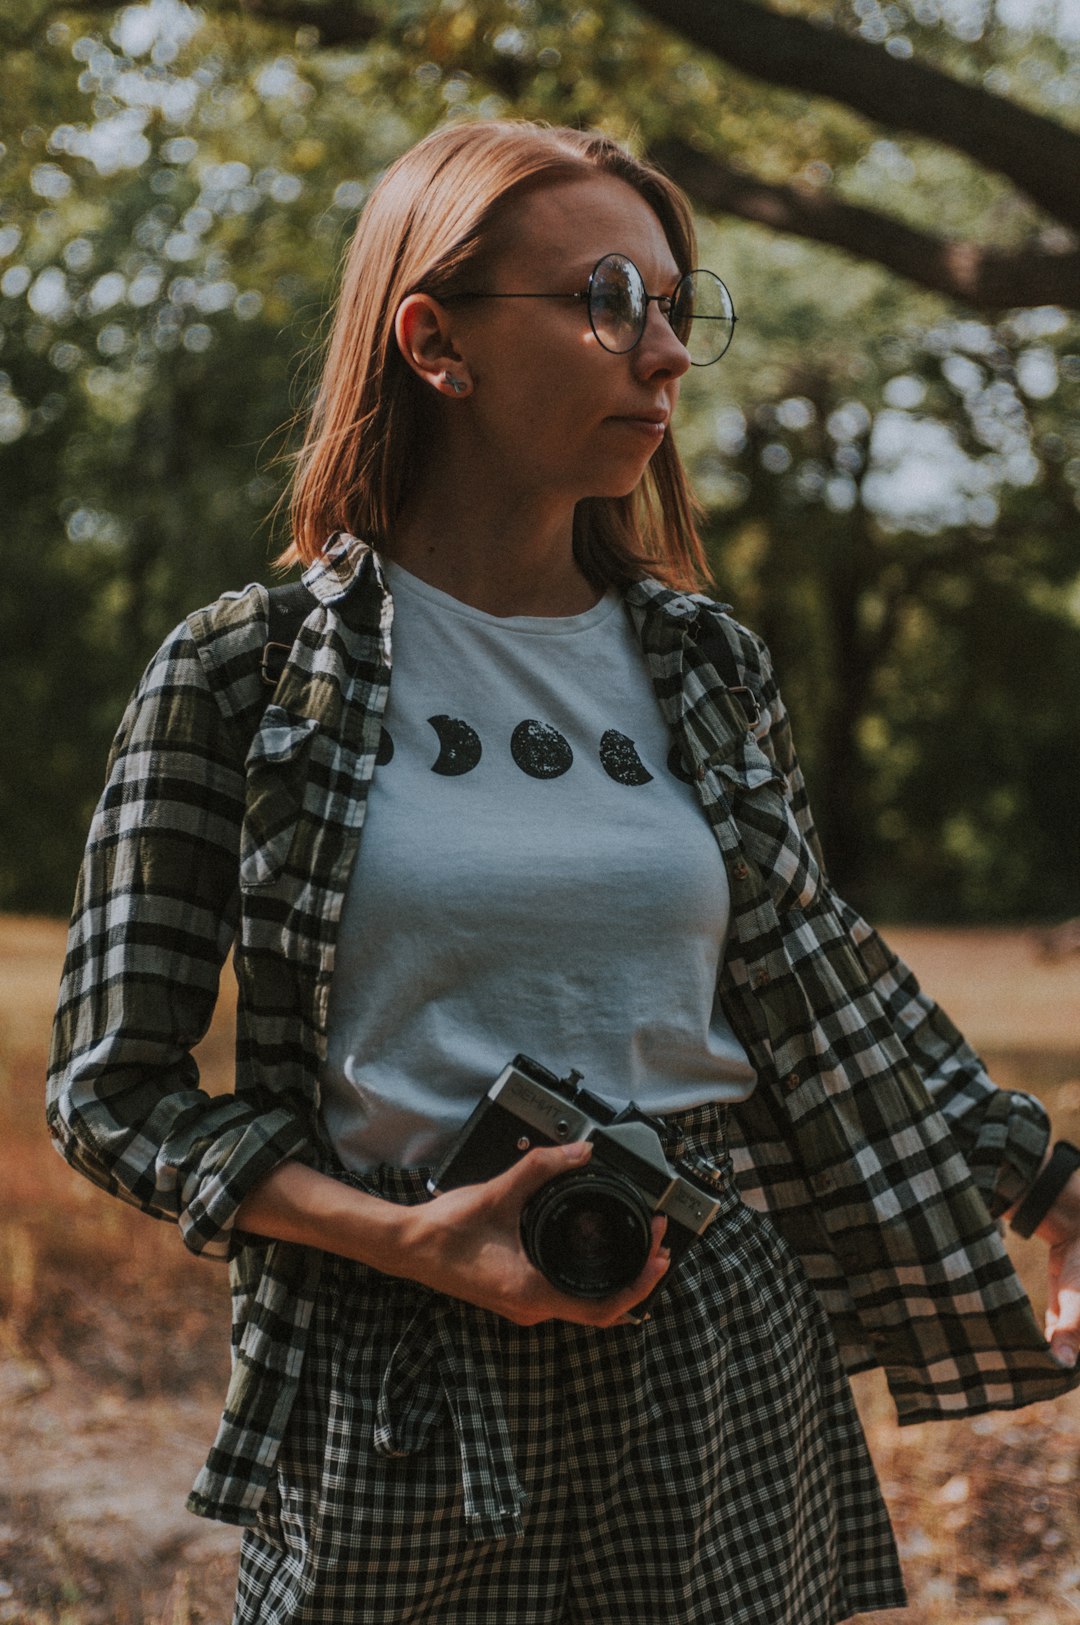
533,875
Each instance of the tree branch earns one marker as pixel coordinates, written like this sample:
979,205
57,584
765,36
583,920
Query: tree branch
1039,156
988,278
339,22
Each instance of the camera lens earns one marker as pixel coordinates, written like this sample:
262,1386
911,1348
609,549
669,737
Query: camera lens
589,1233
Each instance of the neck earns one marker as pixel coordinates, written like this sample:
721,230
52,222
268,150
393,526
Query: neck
505,552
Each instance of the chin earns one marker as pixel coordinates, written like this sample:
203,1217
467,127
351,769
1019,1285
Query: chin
617,482
619,488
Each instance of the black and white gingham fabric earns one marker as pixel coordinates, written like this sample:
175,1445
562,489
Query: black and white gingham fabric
706,1468
874,1137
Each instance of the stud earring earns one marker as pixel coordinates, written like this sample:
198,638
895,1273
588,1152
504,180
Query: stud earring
458,385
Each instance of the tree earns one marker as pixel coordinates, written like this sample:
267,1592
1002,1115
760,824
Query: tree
175,195
874,71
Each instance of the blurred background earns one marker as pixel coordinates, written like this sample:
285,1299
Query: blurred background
889,458
889,454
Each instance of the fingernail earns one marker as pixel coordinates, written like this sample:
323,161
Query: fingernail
575,1152
1064,1354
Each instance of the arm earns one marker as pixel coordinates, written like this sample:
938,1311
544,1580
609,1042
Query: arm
465,1242
154,916
1002,1133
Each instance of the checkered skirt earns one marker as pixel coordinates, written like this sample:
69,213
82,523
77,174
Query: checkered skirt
706,1468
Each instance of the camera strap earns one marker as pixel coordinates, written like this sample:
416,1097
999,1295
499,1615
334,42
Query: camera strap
715,644
290,606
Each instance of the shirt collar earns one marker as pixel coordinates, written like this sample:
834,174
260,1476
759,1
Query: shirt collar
345,559
342,562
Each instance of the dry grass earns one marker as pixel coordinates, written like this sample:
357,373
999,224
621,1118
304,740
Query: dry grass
113,1353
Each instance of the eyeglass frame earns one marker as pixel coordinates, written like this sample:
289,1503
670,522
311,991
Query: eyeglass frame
650,298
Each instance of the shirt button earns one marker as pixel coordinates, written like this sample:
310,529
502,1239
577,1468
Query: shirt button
700,771
792,1081
823,1182
761,978
740,871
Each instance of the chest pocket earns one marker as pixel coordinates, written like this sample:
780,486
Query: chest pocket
767,826
277,773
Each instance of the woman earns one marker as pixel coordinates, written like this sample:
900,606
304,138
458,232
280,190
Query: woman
573,826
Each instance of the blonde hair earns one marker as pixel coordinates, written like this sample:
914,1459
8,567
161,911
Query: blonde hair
430,225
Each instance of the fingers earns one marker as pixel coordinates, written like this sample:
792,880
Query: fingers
520,1292
549,1303
613,1311
1063,1326
525,1177
1063,1314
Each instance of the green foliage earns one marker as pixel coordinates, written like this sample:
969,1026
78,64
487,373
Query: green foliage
929,652
176,189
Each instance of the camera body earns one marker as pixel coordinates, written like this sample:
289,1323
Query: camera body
588,1230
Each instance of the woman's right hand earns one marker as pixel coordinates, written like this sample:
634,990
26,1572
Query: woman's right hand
467,1243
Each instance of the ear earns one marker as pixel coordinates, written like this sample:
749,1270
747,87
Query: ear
423,333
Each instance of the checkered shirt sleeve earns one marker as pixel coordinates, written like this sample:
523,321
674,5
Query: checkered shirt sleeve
1001,1133
154,916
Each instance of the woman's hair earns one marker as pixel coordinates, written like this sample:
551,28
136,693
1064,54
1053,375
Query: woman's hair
433,224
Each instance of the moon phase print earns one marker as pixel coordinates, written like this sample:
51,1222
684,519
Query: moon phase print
620,760
537,748
460,749
540,750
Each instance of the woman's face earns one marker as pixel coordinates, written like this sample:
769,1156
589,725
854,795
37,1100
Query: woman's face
551,410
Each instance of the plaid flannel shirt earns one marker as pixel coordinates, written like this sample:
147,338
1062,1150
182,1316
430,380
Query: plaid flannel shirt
874,1138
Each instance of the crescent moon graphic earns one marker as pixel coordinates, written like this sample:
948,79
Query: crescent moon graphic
676,766
385,752
620,760
540,750
459,746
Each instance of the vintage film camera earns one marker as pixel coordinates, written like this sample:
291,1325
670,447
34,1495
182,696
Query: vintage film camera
588,1230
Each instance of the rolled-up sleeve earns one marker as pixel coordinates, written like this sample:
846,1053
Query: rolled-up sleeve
155,914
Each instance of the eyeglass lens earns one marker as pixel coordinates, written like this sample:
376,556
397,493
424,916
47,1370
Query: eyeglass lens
701,310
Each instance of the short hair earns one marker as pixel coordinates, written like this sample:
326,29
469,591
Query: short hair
431,224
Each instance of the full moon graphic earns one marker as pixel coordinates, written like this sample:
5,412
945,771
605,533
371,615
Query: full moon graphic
620,760
540,750
385,752
459,746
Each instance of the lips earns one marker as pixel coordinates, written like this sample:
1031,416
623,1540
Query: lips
656,421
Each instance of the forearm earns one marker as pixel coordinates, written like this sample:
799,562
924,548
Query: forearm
465,1243
298,1204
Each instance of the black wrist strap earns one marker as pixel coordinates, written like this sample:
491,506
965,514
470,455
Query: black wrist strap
1064,1161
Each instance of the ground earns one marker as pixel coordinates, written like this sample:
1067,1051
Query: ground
113,1355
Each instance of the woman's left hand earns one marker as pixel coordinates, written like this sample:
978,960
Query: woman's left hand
1061,1229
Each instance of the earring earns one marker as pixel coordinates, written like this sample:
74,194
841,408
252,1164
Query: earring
458,385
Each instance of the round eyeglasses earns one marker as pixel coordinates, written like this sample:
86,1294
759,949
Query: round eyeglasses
699,308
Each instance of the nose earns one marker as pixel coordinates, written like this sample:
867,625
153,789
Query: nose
659,350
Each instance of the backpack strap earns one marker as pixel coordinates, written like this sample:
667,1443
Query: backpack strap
715,645
290,606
